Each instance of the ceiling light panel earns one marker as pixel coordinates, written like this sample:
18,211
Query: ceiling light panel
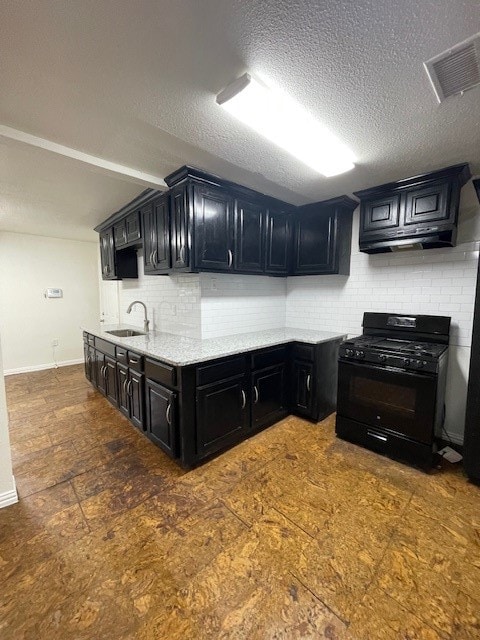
287,124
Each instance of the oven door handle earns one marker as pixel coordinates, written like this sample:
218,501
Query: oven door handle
397,370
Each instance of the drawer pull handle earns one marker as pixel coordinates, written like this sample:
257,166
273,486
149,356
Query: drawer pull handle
309,381
244,399
255,391
133,361
377,436
168,413
120,354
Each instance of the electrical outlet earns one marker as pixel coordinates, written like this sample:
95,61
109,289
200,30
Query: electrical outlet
55,342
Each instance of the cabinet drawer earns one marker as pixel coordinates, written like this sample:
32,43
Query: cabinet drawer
160,372
269,357
121,354
220,370
135,361
89,339
303,351
105,347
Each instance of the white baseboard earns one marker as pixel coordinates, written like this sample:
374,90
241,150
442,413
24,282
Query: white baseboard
454,437
41,367
9,497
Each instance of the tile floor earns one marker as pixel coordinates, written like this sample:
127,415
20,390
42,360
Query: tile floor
292,534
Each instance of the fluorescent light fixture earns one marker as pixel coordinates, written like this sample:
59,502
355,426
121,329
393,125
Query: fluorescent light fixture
287,124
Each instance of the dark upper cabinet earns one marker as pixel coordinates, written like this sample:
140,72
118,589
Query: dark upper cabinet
107,255
249,237
322,237
128,230
160,409
278,241
420,212
213,228
180,226
156,235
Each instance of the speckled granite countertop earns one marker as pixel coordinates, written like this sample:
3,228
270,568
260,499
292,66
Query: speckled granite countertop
181,351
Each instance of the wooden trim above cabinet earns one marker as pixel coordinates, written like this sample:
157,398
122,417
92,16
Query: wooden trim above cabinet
136,203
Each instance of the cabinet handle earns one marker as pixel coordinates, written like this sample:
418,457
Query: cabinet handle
168,413
133,361
182,254
120,354
124,235
309,380
244,399
125,382
151,257
230,258
255,391
129,388
105,372
154,257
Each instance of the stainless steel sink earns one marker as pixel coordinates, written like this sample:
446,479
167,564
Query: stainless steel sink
125,333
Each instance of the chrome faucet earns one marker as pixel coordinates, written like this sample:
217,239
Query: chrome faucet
146,322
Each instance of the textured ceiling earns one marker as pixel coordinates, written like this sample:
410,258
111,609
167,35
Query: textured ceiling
135,83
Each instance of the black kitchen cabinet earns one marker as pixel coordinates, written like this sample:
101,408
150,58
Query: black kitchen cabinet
322,238
180,227
278,251
131,397
249,237
222,414
160,409
100,376
417,212
268,396
110,370
213,228
156,236
90,365
303,388
107,255
127,230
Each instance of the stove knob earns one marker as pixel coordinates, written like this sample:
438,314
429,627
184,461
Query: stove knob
360,354
348,352
420,364
406,362
383,357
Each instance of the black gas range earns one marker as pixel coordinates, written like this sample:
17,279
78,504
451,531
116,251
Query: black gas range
391,385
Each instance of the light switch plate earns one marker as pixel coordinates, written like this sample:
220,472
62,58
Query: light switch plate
54,293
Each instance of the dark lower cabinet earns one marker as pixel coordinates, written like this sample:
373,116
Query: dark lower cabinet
160,410
196,411
302,388
268,396
131,394
222,414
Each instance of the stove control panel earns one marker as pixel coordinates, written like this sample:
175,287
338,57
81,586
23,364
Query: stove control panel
386,359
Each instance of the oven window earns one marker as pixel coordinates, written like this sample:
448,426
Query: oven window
379,394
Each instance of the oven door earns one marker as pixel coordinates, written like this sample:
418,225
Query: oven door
387,398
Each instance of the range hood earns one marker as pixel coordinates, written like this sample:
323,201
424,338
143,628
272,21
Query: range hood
415,213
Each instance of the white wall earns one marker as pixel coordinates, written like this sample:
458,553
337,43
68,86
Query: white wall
436,282
8,493
29,322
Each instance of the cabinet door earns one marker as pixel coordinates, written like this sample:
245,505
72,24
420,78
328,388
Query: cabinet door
107,254
249,237
302,387
149,238
160,416
180,245
87,362
315,237
222,414
428,204
120,234
136,398
268,395
213,221
122,394
278,244
161,237
100,372
111,380
379,214
133,228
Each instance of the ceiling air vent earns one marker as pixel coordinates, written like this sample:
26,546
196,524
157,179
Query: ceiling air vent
455,70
